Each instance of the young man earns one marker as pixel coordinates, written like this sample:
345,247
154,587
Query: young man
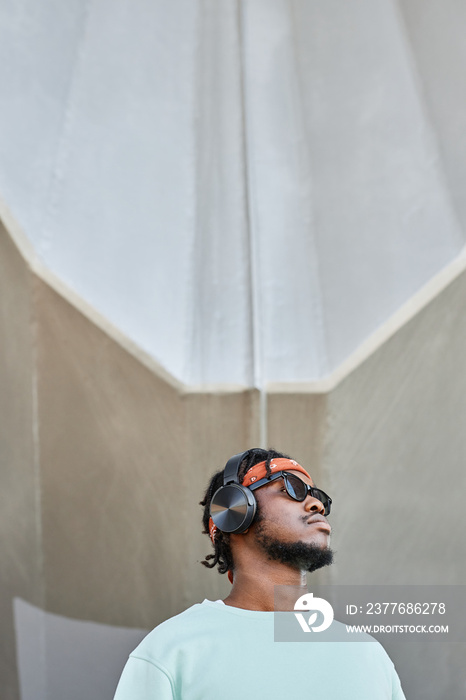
267,522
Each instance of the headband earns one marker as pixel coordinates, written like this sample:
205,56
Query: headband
279,464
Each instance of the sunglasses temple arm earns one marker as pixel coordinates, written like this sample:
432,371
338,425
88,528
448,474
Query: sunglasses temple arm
265,480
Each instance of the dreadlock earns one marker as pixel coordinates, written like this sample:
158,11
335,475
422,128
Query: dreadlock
222,552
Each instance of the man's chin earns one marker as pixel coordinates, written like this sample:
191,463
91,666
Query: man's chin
323,557
305,556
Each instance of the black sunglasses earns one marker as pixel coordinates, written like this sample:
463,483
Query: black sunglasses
296,488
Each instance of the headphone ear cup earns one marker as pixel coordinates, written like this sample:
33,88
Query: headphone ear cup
233,508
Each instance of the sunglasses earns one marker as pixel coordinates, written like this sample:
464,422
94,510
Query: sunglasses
296,489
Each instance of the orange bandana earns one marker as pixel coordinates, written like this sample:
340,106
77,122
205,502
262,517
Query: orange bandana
279,464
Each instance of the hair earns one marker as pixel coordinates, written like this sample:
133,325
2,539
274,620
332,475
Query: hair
222,556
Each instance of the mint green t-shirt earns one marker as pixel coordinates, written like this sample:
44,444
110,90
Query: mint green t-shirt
214,651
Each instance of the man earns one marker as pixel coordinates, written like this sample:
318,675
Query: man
267,522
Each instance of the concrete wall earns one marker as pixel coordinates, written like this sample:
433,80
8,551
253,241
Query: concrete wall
21,570
96,450
104,475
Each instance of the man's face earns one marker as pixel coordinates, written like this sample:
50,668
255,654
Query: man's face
292,532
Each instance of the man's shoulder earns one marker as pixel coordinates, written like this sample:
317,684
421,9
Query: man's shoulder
360,641
176,630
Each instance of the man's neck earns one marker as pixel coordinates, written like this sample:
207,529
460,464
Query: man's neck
267,588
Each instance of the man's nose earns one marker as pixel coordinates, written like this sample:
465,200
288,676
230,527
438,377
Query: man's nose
313,505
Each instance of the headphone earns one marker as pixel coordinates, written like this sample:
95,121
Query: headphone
233,506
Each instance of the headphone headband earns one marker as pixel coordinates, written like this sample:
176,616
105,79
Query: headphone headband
230,473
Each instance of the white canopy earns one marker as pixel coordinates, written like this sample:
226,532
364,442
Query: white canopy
246,189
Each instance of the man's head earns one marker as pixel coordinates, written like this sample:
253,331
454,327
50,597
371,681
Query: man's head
289,526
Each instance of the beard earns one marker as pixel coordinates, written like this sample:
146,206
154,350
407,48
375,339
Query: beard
304,556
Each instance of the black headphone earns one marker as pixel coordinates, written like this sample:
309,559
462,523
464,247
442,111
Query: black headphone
233,506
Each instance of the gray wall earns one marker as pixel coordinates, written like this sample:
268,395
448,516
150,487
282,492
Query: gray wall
103,526
21,569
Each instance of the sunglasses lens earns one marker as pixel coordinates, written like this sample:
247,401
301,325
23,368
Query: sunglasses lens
296,488
323,498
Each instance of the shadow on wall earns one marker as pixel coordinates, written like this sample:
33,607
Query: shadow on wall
62,658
